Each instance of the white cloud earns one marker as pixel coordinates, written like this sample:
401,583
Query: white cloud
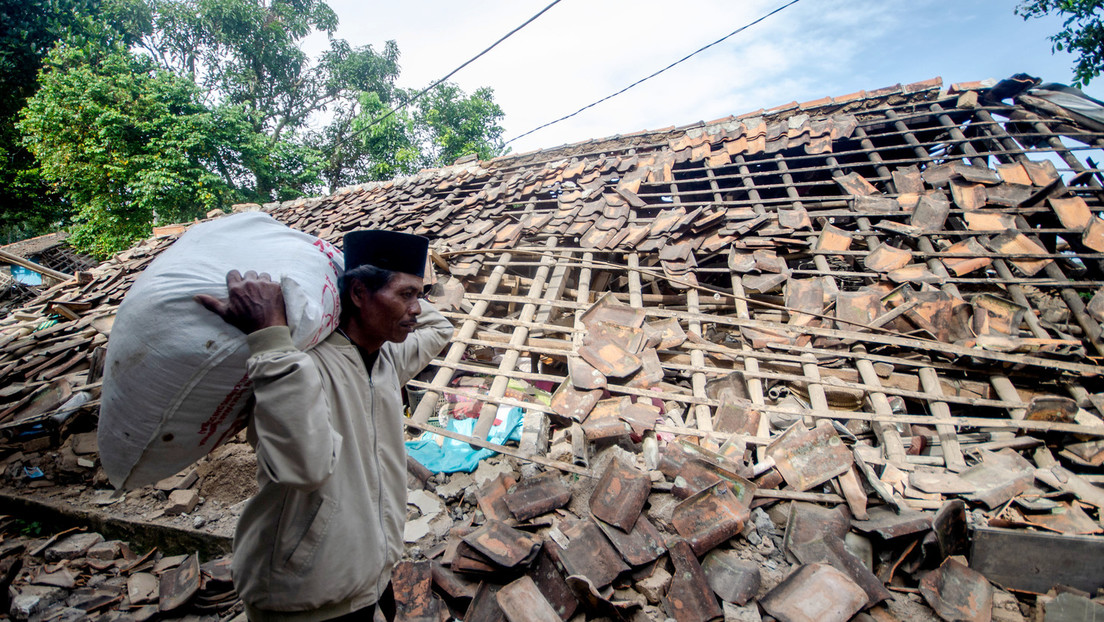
579,52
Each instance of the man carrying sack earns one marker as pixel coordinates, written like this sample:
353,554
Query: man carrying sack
319,539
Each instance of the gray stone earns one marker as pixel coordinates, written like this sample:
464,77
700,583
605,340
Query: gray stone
182,502
165,563
655,586
416,529
1005,607
661,507
629,596
560,452
1068,607
105,551
534,434
84,444
142,587
488,470
63,577
32,599
455,487
107,497
427,503
74,546
762,521
747,613
530,470
184,479
733,579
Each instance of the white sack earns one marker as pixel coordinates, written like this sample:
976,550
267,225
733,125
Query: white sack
174,380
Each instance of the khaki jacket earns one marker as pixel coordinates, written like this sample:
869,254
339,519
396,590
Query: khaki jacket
325,528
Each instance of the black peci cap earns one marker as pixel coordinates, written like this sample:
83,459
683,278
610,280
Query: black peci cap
390,250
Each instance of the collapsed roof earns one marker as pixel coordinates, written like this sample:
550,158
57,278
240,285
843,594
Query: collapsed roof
920,265
924,234
47,255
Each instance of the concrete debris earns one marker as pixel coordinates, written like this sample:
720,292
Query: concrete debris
72,547
829,361
182,502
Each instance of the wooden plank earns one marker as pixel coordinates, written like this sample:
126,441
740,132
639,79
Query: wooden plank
924,345
703,417
751,371
582,299
1076,306
636,294
952,452
428,405
517,342
61,277
1007,392
817,397
555,291
1030,426
889,437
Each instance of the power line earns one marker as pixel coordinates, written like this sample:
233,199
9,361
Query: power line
698,51
449,75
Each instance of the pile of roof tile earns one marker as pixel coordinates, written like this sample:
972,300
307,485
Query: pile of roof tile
877,315
82,576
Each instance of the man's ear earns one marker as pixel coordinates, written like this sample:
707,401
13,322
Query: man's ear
357,292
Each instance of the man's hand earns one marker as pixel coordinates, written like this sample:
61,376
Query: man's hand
254,302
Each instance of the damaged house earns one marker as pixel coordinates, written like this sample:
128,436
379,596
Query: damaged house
832,360
29,266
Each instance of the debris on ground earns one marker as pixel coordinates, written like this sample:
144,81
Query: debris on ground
837,360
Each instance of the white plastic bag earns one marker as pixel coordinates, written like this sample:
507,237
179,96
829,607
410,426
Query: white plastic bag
174,380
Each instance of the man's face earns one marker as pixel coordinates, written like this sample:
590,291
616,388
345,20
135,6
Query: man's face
391,313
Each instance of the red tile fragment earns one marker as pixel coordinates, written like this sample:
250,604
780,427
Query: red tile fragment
534,496
815,593
689,598
710,517
956,592
522,601
620,494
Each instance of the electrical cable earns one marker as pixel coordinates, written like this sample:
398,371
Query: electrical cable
449,75
688,56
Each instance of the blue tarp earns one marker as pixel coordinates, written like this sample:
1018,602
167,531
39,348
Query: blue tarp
452,456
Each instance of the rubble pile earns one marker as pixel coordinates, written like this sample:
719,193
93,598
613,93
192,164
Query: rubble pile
832,360
688,540
82,576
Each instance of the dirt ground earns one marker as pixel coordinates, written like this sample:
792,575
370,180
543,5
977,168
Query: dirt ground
226,478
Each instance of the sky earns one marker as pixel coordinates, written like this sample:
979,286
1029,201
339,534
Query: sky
581,51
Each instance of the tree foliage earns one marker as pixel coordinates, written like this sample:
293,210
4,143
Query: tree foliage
128,143
155,110
1082,32
434,131
28,29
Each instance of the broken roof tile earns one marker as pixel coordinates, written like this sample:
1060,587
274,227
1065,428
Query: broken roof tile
620,495
1015,243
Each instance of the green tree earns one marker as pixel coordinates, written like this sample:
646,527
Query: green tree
247,53
442,126
1082,32
454,124
171,107
128,143
29,203
28,29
